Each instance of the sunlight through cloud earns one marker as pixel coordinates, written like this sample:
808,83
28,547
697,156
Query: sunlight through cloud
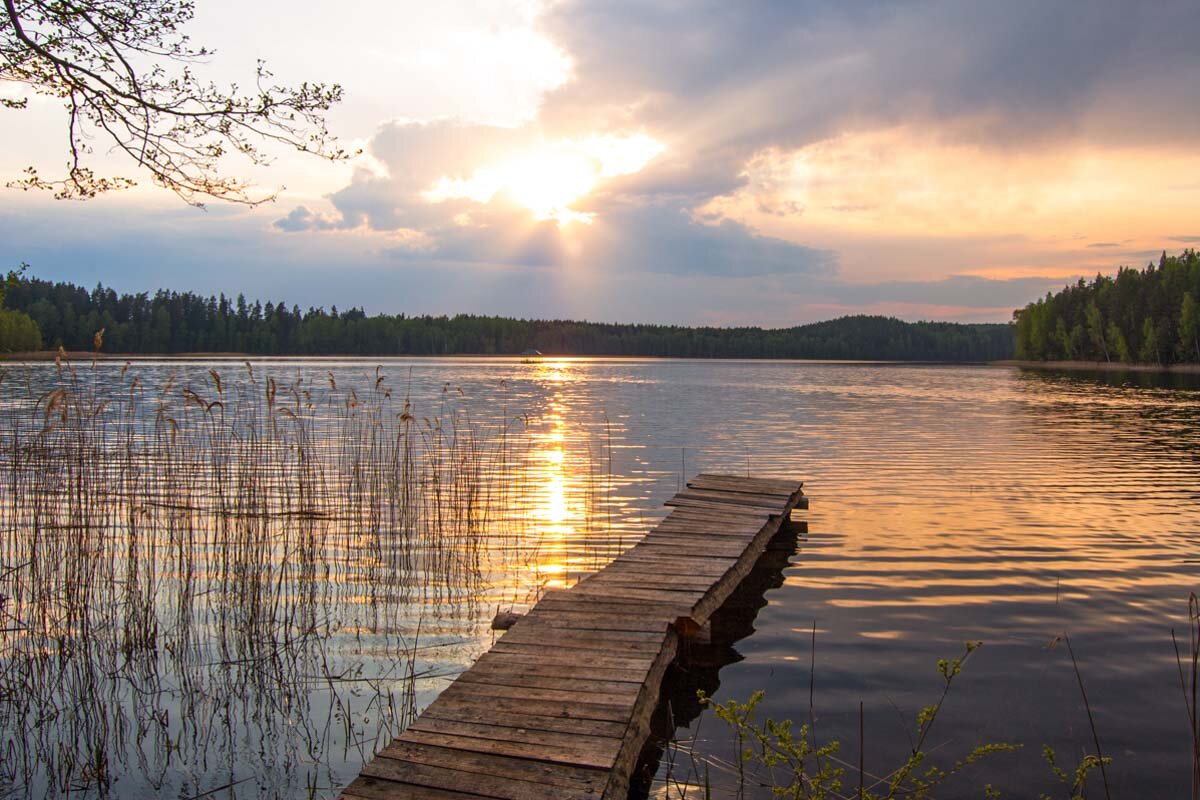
548,179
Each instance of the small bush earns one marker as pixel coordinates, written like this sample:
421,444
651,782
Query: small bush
18,332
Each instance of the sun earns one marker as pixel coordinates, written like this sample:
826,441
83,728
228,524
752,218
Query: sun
548,179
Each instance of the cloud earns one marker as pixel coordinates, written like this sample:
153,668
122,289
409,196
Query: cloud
664,238
808,158
301,219
785,72
860,114
461,187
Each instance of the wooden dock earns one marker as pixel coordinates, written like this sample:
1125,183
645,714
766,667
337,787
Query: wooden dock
560,706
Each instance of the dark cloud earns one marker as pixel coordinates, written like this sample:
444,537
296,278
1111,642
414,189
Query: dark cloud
1104,244
727,79
1031,64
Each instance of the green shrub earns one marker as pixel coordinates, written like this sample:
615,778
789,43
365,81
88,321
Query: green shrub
18,332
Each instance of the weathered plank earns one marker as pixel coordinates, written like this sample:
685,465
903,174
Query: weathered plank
626,577
484,764
560,705
529,770
718,507
502,663
570,750
746,484
472,709
536,653
535,680
424,779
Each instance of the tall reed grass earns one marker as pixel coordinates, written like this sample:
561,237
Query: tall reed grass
183,570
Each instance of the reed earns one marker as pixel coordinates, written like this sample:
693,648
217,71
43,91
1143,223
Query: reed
190,574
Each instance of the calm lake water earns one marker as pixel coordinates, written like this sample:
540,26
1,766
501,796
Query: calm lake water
948,503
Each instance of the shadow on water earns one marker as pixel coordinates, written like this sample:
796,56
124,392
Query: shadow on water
1133,379
699,665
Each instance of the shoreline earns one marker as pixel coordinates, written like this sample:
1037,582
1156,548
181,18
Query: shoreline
1101,366
82,356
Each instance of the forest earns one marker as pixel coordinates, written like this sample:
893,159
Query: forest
1150,316
172,322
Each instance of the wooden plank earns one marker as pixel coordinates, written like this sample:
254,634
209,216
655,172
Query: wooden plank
538,654
683,540
581,695
500,707
636,589
531,625
506,732
559,619
391,772
705,524
629,576
576,684
368,787
692,547
717,506
737,483
711,566
718,534
485,764
695,510
575,601
774,503
582,641
661,607
470,709
725,506
583,755
501,663
732,515
566,683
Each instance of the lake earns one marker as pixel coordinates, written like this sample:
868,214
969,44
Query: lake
948,503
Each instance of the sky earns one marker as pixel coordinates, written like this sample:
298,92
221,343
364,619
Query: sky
757,162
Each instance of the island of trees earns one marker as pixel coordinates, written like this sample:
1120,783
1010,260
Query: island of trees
171,322
1150,316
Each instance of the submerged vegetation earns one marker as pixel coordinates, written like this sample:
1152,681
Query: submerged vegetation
173,322
249,565
1149,316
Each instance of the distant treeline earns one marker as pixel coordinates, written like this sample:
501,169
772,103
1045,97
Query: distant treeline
1149,316
172,322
